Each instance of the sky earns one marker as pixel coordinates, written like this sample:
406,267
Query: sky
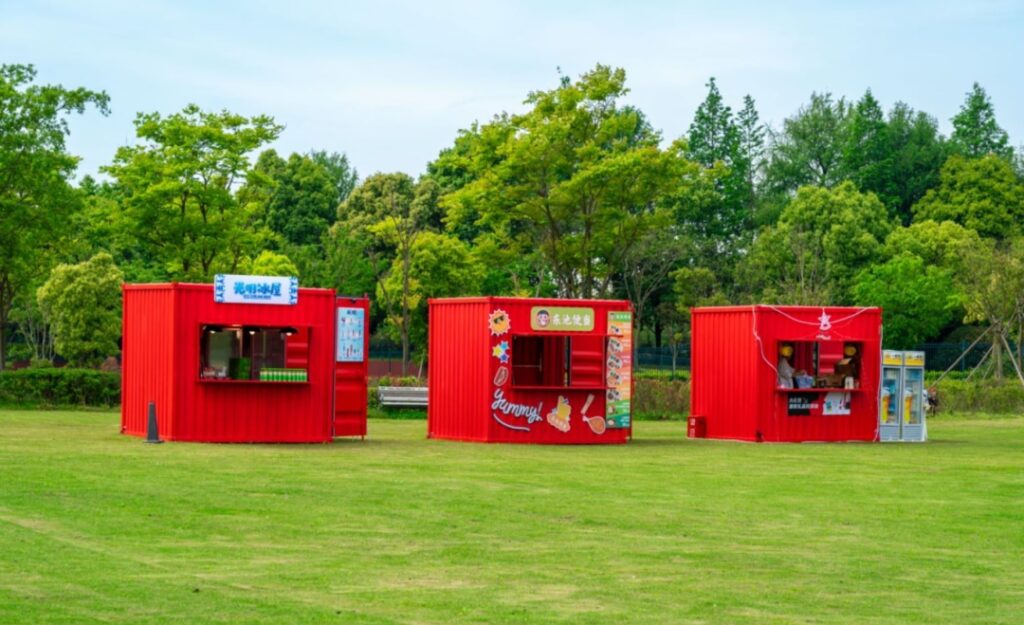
391,83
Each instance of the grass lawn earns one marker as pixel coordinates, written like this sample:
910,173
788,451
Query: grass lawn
100,528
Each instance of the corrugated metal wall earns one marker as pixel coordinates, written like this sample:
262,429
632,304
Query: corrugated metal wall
147,356
724,384
459,355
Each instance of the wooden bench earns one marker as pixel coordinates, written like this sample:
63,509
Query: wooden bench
402,396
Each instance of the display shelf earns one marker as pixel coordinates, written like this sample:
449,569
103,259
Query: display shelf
780,389
260,382
516,387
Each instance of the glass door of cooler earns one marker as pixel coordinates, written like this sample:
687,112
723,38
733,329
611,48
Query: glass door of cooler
889,404
912,405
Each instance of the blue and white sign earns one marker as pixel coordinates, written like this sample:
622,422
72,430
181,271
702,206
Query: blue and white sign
351,330
232,289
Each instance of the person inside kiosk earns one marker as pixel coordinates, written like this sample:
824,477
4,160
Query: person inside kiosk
829,365
246,353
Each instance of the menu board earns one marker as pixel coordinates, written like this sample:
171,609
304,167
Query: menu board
351,329
619,369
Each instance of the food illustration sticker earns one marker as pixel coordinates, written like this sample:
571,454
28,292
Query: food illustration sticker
501,376
559,417
500,351
499,322
597,424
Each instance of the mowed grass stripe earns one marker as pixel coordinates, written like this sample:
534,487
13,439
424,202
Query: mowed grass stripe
96,527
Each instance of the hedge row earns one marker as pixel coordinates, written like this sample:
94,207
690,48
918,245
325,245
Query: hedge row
654,398
60,387
963,396
661,399
670,399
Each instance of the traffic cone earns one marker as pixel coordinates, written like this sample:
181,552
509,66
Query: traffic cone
152,431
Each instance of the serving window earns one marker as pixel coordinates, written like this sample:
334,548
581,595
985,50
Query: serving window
247,353
819,364
558,361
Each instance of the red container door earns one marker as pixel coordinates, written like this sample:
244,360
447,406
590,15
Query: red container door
351,366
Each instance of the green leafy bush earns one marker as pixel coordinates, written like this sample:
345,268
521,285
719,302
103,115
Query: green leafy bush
661,399
986,396
60,387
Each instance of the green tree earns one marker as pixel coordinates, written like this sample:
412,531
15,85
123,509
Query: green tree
917,300
751,152
36,200
983,194
713,135
301,201
389,212
82,303
824,237
939,244
975,130
576,177
179,188
992,281
343,176
809,149
349,267
269,263
440,266
715,141
101,226
917,153
693,286
867,153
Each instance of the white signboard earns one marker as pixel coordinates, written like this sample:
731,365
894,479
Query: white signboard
836,404
232,289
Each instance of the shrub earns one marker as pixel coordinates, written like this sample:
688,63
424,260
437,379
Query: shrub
661,399
983,396
60,387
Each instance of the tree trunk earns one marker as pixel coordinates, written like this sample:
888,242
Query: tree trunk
3,337
997,350
405,308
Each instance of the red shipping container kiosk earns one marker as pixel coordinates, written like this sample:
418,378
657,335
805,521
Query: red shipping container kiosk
785,373
248,359
518,370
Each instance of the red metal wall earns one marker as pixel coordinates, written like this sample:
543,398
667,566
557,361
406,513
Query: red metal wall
464,381
734,380
232,411
458,389
147,356
724,366
351,380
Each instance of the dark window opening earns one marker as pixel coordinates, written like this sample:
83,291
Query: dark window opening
558,361
242,352
540,361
